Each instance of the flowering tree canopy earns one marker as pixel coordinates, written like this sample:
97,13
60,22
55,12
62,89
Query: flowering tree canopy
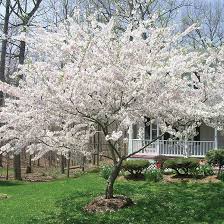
80,75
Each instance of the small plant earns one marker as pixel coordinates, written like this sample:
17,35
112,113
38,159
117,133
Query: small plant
51,172
105,171
206,170
78,174
3,196
221,176
154,175
94,170
201,171
216,158
135,167
182,166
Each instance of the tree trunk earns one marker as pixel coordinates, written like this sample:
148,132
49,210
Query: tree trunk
94,146
219,171
7,167
111,180
50,158
68,164
29,166
22,50
83,163
17,157
94,159
3,52
1,158
98,148
17,167
62,164
4,47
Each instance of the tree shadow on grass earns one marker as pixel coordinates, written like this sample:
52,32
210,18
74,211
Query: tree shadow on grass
180,203
155,203
9,183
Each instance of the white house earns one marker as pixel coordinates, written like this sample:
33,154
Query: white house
207,139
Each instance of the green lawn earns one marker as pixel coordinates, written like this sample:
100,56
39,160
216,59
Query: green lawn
62,202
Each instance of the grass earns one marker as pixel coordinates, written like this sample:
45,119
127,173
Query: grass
62,201
3,171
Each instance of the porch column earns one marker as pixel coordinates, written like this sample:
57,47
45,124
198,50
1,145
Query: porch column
216,138
186,147
130,139
157,145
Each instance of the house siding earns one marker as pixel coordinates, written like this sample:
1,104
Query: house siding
220,140
206,133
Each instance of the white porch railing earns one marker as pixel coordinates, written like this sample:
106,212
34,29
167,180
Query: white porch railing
172,147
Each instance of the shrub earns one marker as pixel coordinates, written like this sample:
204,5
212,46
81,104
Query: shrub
184,166
135,167
221,176
160,160
105,171
154,175
216,158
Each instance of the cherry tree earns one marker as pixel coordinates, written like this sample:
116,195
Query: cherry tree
87,74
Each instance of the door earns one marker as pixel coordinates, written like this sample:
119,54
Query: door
151,132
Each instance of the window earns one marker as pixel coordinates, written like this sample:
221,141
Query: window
150,129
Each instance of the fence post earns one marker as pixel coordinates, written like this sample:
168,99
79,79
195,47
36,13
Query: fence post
186,147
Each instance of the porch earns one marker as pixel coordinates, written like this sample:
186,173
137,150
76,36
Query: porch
208,138
171,148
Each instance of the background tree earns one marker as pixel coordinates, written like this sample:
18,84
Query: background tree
3,54
24,11
209,16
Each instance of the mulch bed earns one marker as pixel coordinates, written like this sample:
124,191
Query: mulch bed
101,204
38,179
135,177
180,179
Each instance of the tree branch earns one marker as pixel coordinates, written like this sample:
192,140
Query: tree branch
133,153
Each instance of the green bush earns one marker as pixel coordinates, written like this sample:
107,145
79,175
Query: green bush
184,166
105,170
154,175
216,158
221,176
135,167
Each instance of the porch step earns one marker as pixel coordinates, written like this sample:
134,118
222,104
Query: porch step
152,156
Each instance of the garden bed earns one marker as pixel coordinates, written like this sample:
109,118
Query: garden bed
101,204
190,179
